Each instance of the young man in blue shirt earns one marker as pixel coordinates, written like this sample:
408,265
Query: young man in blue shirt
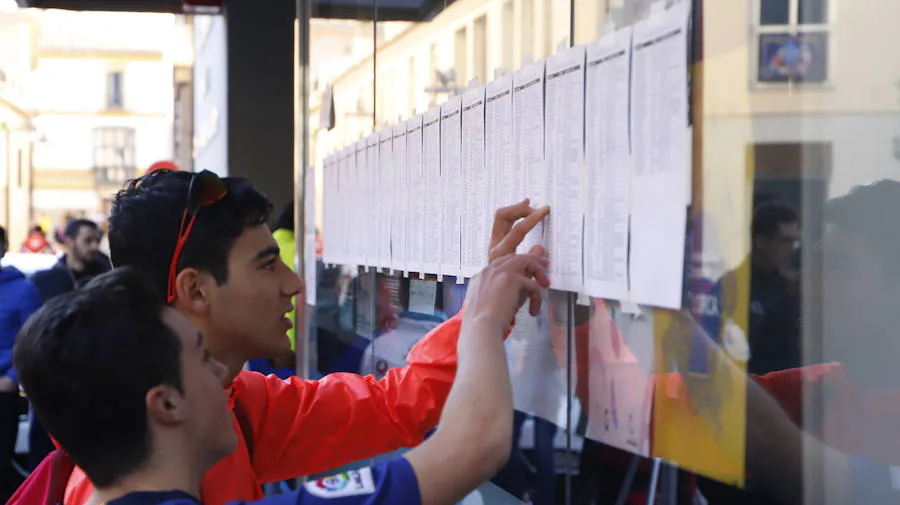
137,402
18,300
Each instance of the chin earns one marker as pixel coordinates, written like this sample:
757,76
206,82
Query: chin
273,350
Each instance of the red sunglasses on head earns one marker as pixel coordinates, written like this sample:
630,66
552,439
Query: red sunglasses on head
205,189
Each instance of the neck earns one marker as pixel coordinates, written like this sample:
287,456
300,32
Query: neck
217,346
172,474
73,263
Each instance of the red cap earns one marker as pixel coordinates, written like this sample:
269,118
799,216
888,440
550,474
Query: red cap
162,165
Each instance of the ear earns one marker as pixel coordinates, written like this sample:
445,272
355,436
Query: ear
166,405
192,288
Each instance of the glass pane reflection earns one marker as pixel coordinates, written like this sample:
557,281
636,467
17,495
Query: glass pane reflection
788,265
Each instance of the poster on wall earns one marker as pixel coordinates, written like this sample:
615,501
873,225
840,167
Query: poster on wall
536,366
618,387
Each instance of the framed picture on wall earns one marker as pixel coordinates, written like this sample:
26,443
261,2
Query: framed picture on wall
787,57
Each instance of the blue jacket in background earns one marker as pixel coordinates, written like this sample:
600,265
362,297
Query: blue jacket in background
18,300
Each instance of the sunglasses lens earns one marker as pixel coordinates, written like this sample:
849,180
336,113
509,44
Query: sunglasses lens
209,188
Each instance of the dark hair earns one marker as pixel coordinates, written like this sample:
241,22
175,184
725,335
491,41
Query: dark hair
870,213
147,213
285,220
3,242
767,217
86,361
74,226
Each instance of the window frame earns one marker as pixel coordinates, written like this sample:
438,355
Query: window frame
104,141
115,90
793,27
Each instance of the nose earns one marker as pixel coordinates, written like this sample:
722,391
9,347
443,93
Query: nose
293,285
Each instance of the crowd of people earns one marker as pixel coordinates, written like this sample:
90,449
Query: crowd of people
19,298
137,372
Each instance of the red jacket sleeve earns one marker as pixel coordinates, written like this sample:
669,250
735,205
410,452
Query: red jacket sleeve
787,387
302,427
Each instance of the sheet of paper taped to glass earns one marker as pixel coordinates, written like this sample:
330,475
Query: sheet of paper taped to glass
302,427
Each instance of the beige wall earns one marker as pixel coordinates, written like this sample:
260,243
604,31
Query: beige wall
15,184
863,69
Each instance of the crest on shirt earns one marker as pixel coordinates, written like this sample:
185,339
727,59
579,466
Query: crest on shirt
350,483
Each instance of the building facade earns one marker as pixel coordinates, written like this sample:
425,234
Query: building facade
102,98
18,31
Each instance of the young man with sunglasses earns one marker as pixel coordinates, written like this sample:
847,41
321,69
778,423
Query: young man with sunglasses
171,420
205,243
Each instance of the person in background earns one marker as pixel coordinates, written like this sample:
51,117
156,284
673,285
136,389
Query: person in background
774,333
206,244
82,262
775,230
18,300
36,242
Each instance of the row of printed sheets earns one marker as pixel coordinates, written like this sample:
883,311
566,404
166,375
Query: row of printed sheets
598,132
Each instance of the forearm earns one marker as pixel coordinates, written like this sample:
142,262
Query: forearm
478,412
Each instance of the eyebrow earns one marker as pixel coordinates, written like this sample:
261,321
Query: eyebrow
268,252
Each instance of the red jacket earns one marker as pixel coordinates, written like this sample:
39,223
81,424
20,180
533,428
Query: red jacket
305,427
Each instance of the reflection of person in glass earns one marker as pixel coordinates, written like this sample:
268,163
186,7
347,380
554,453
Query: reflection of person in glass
774,300
848,408
791,60
827,429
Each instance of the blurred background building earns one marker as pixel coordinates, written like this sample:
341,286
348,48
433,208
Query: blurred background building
102,97
87,100
18,57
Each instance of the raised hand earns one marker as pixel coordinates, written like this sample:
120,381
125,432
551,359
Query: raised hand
511,225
